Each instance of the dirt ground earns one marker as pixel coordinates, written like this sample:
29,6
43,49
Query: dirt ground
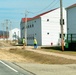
17,54
6,55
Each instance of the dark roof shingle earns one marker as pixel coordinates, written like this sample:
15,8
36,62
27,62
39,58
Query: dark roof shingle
28,19
74,5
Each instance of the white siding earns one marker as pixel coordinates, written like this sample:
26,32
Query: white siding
71,20
22,28
13,32
46,32
34,31
51,29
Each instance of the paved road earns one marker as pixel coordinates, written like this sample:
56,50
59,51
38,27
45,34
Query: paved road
11,69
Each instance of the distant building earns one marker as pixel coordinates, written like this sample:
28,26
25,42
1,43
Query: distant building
44,27
4,35
71,19
14,34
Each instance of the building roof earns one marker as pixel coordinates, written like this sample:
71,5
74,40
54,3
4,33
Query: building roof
71,6
24,19
44,13
38,16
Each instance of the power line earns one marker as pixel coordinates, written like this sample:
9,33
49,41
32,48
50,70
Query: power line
56,2
50,5
47,6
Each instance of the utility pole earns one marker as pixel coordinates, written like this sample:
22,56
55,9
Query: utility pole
3,30
26,26
11,32
61,23
25,32
7,30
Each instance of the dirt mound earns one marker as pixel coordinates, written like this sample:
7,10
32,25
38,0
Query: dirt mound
4,44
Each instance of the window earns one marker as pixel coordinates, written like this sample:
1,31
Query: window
67,28
35,21
28,26
22,28
32,25
47,19
63,34
48,33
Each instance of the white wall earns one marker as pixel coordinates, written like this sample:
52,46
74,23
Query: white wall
45,32
34,31
51,29
13,32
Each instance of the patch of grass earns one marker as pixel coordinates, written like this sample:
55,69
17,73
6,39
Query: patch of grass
73,53
42,58
58,50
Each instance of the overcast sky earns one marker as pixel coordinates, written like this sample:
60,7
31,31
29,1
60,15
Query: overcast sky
14,10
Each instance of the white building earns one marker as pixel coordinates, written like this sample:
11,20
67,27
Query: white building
14,34
45,27
71,19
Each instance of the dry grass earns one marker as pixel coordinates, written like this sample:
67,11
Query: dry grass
4,44
20,55
41,58
5,55
57,50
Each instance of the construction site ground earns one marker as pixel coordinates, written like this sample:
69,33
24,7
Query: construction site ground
39,61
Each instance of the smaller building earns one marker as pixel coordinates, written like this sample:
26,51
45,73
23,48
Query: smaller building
4,35
70,41
14,34
71,19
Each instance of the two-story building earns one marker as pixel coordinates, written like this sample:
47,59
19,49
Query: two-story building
44,27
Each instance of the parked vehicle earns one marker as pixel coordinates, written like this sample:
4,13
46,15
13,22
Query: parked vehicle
70,41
